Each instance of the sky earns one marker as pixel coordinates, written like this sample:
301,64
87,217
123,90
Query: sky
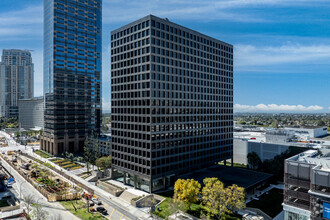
281,47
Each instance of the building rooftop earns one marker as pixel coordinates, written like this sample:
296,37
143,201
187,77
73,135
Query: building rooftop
320,158
230,175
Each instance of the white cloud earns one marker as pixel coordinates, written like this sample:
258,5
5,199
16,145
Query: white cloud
248,55
22,22
276,108
28,15
200,10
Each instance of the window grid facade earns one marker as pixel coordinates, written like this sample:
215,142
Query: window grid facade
172,100
72,73
16,80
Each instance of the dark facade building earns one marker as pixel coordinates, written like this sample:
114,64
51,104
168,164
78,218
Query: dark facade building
307,186
172,102
72,73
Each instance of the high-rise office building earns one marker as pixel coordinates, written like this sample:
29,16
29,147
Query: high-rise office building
72,73
16,80
172,102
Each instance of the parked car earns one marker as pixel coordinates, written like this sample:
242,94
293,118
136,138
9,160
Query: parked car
10,185
97,201
91,203
102,210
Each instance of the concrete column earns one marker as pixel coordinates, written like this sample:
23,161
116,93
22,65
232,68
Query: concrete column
110,173
164,182
76,143
232,161
225,162
125,178
41,144
150,186
135,181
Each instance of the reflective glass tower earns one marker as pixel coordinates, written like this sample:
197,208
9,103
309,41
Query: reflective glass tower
72,73
172,102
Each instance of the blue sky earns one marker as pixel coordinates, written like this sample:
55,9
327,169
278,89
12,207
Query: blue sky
282,47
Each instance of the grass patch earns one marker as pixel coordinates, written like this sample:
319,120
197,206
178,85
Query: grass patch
43,154
166,209
270,203
81,210
66,164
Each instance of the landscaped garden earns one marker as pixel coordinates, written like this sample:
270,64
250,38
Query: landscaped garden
168,207
79,209
214,200
66,164
43,154
270,203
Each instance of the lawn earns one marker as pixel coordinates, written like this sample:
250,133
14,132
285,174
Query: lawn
270,203
66,164
81,210
166,209
43,154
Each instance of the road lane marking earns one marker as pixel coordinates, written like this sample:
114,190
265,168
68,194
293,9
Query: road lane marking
111,213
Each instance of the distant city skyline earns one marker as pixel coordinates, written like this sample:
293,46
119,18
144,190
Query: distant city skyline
281,48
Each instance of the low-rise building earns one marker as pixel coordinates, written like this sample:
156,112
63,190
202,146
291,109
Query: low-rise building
266,151
307,185
309,132
104,142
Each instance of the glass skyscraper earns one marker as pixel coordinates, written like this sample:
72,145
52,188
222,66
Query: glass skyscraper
172,102
72,73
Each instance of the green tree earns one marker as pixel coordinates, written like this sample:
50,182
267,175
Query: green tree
214,198
254,160
236,197
29,200
187,191
38,212
87,154
103,162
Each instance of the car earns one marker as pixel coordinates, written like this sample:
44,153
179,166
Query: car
102,210
91,203
97,201
9,185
